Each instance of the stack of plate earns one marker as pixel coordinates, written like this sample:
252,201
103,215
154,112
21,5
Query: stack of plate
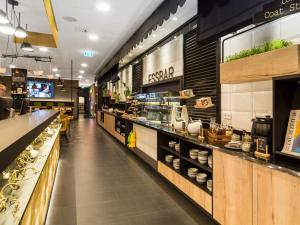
176,164
203,157
172,144
169,158
194,153
177,147
210,161
192,172
201,178
209,185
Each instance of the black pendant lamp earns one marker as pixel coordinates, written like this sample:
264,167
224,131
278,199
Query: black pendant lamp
60,83
26,46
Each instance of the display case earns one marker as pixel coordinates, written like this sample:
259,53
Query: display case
157,107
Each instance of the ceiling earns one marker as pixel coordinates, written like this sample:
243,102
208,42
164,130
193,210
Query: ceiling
113,27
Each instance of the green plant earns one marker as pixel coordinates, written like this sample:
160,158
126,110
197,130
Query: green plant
105,92
127,91
265,47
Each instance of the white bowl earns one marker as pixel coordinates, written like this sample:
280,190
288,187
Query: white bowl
193,153
203,153
194,128
33,154
177,147
178,125
172,144
169,158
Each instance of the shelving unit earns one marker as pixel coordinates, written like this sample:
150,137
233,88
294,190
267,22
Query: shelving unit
286,97
185,161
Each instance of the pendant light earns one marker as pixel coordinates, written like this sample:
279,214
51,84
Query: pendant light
7,28
20,31
59,83
3,16
26,46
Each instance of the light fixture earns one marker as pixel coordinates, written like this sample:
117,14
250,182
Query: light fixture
140,46
43,49
12,66
54,69
7,29
93,37
86,80
81,71
60,83
80,77
26,46
84,65
174,18
20,31
154,35
103,7
57,75
130,54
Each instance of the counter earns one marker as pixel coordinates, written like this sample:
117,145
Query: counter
245,189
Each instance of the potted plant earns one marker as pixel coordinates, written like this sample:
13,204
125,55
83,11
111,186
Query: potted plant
127,91
275,58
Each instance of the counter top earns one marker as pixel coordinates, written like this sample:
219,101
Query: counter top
17,133
205,144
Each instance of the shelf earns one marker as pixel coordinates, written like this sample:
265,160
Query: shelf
194,162
171,167
288,155
169,150
202,186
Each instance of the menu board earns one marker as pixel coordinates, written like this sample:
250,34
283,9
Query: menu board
292,139
19,78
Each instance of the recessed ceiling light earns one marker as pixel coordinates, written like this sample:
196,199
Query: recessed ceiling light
86,80
84,65
93,37
174,18
81,71
43,49
54,69
104,7
57,75
80,77
130,54
140,46
154,35
12,66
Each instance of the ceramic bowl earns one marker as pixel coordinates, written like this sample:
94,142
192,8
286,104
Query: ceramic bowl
209,185
177,147
192,172
178,125
201,178
172,144
203,153
33,154
193,153
169,158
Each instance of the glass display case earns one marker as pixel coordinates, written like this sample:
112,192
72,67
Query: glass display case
157,107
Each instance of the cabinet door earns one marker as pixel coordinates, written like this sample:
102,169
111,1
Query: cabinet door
232,189
276,197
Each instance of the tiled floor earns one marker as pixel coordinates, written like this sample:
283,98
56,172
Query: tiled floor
99,182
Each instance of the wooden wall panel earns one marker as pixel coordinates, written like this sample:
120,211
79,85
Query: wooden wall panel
276,197
146,140
232,189
109,123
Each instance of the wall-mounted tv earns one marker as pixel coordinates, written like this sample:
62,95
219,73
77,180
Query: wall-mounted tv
40,89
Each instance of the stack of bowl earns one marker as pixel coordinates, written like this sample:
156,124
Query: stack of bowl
201,178
172,144
177,147
209,185
169,158
176,164
192,172
203,157
194,153
210,161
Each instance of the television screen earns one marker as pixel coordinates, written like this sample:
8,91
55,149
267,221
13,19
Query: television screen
40,89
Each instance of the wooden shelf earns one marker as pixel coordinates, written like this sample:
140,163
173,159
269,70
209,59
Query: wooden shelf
196,163
202,186
288,155
169,150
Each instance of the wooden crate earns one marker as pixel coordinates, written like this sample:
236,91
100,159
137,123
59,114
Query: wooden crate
264,66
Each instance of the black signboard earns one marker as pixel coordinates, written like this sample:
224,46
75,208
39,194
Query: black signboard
19,79
276,10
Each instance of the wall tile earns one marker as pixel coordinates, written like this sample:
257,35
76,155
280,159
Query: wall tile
226,101
244,87
226,88
262,86
242,120
241,102
262,101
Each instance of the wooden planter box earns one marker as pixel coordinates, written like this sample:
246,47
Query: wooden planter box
280,62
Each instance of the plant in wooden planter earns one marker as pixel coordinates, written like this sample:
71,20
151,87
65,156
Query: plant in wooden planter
272,59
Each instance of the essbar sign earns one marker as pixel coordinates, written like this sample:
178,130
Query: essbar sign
277,9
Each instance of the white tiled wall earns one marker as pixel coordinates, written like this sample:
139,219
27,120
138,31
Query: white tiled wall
242,102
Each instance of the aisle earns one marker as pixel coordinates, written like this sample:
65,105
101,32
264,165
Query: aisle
98,182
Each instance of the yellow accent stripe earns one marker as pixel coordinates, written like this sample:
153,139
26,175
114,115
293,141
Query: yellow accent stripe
51,19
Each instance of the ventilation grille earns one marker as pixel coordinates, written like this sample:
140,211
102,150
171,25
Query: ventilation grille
137,77
200,74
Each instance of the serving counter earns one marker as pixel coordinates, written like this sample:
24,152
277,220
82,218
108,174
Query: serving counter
30,152
245,190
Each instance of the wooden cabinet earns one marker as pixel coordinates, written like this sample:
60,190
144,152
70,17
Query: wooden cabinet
276,197
109,123
195,193
232,189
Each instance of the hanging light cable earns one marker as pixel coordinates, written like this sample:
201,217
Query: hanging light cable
8,28
20,31
3,16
